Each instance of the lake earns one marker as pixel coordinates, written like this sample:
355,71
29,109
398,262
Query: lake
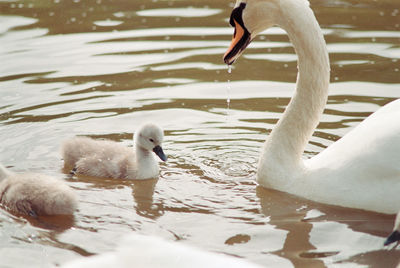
100,68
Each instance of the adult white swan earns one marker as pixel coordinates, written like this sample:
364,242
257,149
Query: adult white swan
362,169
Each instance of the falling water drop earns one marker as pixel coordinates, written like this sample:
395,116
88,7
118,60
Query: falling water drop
228,91
228,100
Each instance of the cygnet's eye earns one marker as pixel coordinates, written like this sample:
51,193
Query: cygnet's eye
151,140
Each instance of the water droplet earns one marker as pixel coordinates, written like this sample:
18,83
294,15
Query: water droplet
301,208
119,14
228,99
229,69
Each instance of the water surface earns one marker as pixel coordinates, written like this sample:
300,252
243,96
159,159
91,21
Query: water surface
101,68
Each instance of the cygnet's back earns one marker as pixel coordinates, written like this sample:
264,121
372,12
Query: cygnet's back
98,158
35,194
109,159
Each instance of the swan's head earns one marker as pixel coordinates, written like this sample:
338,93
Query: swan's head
249,18
395,235
150,137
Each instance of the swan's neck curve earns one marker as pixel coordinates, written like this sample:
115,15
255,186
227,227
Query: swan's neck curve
282,153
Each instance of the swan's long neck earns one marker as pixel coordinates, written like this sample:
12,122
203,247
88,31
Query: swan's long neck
285,145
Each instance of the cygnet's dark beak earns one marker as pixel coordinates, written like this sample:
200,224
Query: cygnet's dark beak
394,237
159,151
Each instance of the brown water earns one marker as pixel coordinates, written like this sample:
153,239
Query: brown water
100,68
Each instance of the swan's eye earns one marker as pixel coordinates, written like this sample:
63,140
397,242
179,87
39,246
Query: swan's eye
151,140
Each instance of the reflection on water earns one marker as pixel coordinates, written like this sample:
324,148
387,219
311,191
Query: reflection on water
101,68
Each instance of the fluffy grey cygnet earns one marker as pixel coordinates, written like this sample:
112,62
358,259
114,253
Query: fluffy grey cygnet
109,159
35,194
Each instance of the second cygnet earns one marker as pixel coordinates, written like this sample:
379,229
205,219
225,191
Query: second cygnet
35,194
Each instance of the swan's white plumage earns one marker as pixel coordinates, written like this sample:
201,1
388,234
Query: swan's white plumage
109,159
362,169
35,194
152,252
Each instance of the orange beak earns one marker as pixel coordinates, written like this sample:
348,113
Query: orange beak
237,35
241,38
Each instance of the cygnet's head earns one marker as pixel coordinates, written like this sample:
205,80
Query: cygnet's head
150,137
